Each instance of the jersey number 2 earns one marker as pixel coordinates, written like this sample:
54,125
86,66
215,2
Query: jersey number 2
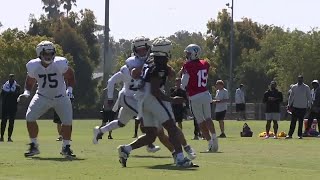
53,83
202,78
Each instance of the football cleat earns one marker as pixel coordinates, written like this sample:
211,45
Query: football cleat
123,156
191,153
33,150
97,134
152,148
59,138
186,163
213,145
67,152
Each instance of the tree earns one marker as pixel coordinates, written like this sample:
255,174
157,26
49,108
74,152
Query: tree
16,49
52,8
67,5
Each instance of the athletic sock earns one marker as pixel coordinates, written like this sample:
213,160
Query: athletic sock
110,126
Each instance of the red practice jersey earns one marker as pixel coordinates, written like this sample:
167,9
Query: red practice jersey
198,76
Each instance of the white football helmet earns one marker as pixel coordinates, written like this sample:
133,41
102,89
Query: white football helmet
193,52
161,47
141,42
46,51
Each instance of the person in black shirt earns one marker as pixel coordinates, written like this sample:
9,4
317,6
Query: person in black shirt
272,98
10,92
179,110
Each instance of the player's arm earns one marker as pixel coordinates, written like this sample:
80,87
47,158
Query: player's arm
155,83
70,82
115,79
184,80
69,78
28,85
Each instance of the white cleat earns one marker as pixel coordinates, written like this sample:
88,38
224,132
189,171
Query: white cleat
185,163
97,134
123,155
213,145
153,149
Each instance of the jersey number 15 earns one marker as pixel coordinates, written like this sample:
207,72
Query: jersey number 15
202,78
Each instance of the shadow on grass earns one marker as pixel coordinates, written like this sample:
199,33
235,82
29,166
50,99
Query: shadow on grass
171,167
206,152
56,159
151,156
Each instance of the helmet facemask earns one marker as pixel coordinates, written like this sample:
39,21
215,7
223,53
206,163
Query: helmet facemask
192,52
46,52
142,52
141,47
47,56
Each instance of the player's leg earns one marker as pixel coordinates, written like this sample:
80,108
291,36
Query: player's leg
57,121
63,107
178,118
150,147
220,118
268,124
11,124
136,127
292,123
127,111
275,128
164,115
37,107
125,114
150,130
164,139
110,115
4,120
202,110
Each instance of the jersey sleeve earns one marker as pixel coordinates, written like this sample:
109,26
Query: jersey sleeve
31,67
62,65
116,78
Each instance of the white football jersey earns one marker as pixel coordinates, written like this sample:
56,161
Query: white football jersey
133,62
121,76
50,80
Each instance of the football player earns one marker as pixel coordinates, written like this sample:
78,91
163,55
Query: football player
55,81
194,80
141,49
155,106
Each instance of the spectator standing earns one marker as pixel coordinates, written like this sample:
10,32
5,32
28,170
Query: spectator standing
272,98
179,110
221,100
315,107
240,103
9,93
298,103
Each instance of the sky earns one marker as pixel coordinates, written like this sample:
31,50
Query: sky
154,18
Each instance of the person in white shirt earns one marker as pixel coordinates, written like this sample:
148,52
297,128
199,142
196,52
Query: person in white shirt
55,81
240,103
315,110
299,102
221,100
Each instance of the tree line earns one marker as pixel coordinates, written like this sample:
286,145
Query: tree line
261,52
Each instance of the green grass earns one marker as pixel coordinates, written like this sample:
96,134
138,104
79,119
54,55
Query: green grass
239,158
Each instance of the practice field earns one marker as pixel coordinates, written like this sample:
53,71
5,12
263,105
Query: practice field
238,158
